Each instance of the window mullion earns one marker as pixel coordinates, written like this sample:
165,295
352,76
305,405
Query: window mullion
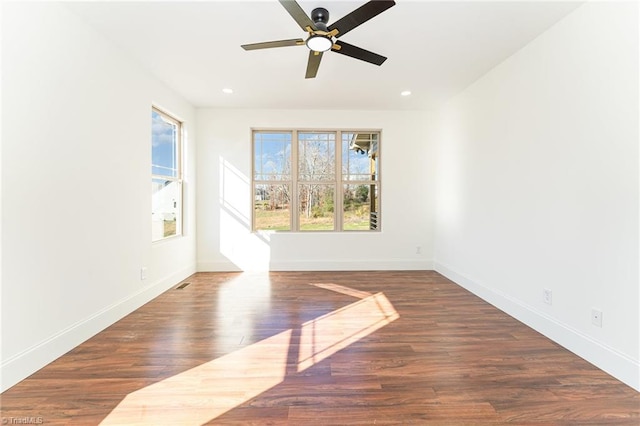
339,187
254,186
294,183
179,149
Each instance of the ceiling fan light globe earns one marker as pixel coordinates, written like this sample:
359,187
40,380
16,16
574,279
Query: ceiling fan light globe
319,43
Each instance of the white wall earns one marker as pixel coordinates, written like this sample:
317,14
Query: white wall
538,185
225,240
76,190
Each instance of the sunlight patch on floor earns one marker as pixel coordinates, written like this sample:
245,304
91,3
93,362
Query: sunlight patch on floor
207,391
343,289
324,336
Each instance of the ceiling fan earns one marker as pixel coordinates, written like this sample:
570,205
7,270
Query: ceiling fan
321,37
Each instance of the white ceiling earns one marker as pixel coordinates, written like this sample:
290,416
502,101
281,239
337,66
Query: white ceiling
435,49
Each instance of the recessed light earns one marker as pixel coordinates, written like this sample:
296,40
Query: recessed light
405,93
227,91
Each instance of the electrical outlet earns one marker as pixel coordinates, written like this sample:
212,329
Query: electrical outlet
547,296
596,317
418,250
143,273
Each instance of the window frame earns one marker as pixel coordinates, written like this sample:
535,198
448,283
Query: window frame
178,178
338,181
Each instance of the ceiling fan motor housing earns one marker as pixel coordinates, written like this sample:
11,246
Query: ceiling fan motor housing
320,15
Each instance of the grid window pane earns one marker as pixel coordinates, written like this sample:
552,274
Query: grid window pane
166,208
359,207
359,154
272,207
316,207
272,156
316,156
164,145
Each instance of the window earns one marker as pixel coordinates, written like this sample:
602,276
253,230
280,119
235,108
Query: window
316,180
166,175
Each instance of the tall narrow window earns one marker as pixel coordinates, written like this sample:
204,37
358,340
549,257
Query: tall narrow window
166,175
360,181
316,180
272,180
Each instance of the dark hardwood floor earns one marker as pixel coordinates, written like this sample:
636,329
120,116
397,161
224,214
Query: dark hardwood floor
321,348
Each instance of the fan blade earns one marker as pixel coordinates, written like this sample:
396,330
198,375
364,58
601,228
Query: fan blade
270,44
358,53
298,14
313,63
360,16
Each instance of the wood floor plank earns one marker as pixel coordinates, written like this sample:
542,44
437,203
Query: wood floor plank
321,348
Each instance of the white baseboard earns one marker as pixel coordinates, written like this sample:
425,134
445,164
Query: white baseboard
608,359
326,265
353,265
218,266
27,362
